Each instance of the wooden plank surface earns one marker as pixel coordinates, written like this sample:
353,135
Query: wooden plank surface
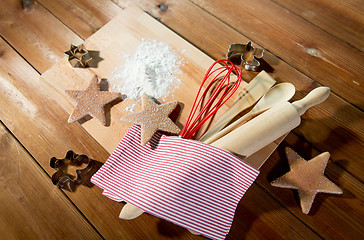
265,212
321,58
333,17
31,207
43,133
40,125
22,28
83,17
348,120
328,211
123,32
100,211
323,131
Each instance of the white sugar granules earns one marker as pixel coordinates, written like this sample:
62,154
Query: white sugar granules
151,70
131,108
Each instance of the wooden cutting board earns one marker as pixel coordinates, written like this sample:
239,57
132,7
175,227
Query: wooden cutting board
121,35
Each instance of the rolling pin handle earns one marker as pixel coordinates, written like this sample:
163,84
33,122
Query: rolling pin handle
316,96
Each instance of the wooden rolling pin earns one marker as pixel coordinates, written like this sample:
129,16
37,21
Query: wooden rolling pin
270,125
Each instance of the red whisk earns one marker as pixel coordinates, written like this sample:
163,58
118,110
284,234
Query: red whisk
221,93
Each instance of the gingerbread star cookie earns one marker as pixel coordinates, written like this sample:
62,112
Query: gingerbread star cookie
153,117
307,177
91,102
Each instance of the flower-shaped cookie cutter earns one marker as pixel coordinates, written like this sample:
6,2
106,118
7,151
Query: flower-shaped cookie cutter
64,180
78,56
245,55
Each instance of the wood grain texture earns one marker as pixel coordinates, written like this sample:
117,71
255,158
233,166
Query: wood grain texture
333,17
257,217
321,129
83,17
339,213
41,44
61,77
31,206
318,127
46,135
316,53
264,212
41,126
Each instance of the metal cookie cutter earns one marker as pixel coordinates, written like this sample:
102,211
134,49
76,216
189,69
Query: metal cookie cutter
78,56
245,55
67,181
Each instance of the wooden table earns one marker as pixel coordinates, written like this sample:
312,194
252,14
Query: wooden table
308,44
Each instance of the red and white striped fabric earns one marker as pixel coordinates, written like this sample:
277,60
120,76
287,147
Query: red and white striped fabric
189,183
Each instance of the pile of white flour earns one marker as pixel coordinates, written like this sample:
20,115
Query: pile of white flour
152,69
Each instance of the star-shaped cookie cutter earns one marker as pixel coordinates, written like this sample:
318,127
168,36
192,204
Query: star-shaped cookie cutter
245,55
78,56
67,181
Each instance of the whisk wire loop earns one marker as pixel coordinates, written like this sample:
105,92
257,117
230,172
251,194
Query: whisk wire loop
218,97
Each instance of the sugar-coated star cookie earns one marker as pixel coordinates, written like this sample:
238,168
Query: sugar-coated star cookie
153,117
91,101
307,177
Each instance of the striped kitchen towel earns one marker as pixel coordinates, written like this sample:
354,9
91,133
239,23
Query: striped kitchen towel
186,182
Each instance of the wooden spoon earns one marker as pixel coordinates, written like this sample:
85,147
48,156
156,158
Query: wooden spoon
280,93
256,88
